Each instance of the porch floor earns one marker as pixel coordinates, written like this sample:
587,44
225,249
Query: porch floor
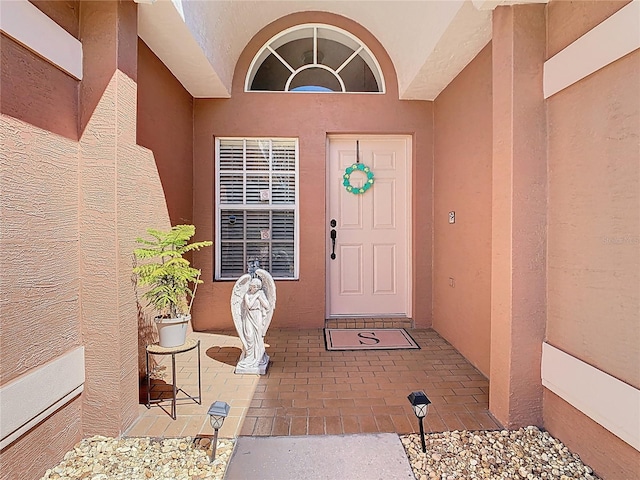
311,391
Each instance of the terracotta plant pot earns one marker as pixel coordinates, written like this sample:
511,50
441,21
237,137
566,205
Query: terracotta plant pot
172,331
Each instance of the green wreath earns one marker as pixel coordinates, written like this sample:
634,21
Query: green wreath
347,176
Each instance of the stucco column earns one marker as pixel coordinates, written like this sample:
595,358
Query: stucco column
519,181
107,104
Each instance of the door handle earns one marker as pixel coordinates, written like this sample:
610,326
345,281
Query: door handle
333,244
333,224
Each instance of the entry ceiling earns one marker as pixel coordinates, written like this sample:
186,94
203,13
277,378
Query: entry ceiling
429,41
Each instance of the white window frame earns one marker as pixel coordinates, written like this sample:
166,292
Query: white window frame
282,37
248,206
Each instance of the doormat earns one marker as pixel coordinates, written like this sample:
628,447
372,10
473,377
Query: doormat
368,339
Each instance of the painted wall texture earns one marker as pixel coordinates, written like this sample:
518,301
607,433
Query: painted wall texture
165,126
518,215
44,445
309,117
593,284
108,217
39,247
73,201
568,21
594,220
39,281
65,13
52,100
462,183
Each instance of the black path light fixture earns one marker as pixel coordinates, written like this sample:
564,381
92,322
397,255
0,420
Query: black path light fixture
420,403
218,411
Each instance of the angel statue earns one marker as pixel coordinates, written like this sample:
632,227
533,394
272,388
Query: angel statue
253,301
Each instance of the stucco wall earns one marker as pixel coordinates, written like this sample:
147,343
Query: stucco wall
36,91
165,126
38,275
39,254
568,21
594,220
462,183
65,13
120,197
610,457
76,191
518,215
39,261
44,445
310,117
594,230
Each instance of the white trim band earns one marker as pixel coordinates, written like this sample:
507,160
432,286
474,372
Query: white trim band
612,403
493,4
614,38
29,399
27,25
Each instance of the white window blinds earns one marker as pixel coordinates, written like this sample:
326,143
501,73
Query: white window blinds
256,206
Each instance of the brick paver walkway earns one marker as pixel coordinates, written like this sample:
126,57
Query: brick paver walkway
309,390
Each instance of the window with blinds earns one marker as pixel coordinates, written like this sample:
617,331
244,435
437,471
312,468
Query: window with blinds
256,206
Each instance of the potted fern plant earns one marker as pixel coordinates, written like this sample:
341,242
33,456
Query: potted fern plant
169,277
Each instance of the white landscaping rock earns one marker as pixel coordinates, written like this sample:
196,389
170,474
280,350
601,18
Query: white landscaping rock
102,458
527,453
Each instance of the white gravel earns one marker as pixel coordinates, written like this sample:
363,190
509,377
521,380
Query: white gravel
527,453
104,458
521,454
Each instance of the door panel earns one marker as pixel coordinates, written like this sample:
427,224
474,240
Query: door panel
351,272
384,210
370,274
350,211
384,269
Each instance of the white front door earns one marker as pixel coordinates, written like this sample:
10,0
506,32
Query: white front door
369,275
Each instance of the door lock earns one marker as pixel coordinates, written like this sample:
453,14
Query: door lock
334,234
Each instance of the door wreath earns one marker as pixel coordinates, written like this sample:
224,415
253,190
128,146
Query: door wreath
347,178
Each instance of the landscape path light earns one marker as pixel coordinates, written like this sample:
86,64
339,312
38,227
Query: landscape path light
218,411
420,403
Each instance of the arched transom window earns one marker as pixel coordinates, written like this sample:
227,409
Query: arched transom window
317,58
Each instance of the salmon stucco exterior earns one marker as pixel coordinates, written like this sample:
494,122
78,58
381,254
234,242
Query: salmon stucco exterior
521,226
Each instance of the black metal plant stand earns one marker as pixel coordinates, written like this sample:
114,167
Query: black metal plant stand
155,349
